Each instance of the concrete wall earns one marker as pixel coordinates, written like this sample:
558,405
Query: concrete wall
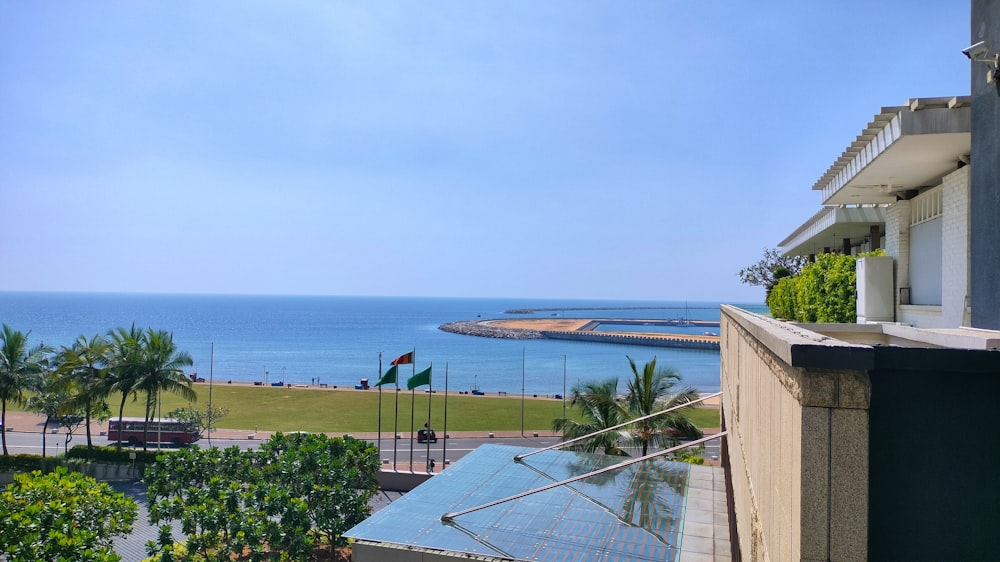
795,404
401,481
985,192
882,449
384,552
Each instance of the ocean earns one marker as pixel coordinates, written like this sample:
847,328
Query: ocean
338,340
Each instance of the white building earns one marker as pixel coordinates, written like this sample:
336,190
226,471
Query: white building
903,185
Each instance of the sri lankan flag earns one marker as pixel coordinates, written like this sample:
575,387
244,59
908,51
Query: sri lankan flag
404,359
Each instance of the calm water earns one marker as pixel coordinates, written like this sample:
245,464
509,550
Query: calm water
337,340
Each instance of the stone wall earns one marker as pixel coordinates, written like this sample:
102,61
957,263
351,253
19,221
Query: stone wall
795,405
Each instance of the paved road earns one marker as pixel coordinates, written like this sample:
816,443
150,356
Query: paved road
450,449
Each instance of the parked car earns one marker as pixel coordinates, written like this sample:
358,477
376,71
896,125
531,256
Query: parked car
425,435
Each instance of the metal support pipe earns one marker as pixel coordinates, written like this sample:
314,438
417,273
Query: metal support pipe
621,425
449,517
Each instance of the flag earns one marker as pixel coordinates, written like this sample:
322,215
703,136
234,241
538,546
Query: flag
404,359
419,379
389,377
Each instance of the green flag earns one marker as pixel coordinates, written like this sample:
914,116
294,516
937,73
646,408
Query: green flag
419,379
388,378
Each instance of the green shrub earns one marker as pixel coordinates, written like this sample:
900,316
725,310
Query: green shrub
824,291
781,300
23,462
111,454
62,516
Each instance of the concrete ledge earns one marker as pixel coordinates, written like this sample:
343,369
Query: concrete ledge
397,481
799,346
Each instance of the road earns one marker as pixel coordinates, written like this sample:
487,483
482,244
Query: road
452,450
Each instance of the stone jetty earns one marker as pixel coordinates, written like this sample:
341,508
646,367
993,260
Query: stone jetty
484,329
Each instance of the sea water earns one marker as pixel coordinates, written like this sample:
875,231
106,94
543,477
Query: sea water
340,340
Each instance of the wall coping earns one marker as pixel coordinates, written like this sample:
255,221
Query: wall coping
799,346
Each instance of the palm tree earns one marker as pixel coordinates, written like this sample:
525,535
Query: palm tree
83,369
162,371
19,366
49,398
124,361
601,410
652,391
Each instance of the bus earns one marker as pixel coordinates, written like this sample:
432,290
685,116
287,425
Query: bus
165,430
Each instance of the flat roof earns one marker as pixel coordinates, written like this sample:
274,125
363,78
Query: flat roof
635,513
828,228
902,148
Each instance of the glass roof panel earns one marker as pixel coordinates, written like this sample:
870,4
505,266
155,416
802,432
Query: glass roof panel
634,513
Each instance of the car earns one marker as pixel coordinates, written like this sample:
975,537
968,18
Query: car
426,435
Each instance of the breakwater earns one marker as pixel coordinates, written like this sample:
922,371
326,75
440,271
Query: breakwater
581,329
706,342
484,330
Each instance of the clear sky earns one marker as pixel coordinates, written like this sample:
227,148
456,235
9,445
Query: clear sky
565,149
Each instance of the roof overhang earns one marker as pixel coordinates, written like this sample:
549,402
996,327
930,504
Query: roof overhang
903,148
829,227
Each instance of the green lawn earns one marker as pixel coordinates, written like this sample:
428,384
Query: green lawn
332,411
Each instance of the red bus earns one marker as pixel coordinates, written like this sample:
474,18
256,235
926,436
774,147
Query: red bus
165,430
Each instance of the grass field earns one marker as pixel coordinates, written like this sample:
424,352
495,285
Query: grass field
332,411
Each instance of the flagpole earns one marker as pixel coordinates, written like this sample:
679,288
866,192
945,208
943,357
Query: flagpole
211,381
412,399
444,446
395,426
523,354
379,379
564,386
413,364
430,396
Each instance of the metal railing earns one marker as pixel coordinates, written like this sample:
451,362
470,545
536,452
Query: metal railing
619,426
449,517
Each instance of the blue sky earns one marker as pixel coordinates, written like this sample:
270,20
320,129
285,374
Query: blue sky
574,149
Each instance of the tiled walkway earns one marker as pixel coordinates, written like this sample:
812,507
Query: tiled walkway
705,537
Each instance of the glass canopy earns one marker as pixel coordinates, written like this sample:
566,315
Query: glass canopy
630,514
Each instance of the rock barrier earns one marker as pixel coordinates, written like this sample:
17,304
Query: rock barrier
484,329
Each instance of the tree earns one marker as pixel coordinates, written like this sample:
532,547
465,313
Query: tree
649,391
124,361
51,401
19,366
161,371
62,516
204,419
601,410
83,370
771,268
652,391
271,503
